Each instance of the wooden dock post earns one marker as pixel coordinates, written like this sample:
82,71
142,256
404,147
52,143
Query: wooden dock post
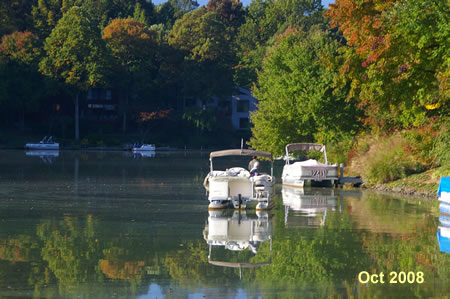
341,175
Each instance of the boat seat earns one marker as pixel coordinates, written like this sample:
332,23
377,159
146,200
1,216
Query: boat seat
218,173
238,171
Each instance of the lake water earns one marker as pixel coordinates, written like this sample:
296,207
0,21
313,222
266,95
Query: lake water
114,225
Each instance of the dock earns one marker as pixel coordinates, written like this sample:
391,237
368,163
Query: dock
355,180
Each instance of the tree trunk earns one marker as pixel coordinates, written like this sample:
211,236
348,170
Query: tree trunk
22,120
77,118
124,117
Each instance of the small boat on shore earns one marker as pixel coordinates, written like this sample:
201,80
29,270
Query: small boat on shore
236,186
296,173
143,147
44,144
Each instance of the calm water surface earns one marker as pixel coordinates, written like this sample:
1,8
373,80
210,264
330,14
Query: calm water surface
108,225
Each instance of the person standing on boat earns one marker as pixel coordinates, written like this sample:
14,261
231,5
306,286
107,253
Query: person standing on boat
253,166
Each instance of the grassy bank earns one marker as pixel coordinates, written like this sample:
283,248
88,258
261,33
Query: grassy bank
408,161
421,184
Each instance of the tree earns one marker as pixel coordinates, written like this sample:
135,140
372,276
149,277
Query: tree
133,48
265,19
397,59
205,42
230,11
297,101
75,55
21,84
15,16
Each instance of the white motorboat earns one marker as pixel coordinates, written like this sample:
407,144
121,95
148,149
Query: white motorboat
44,144
296,173
236,186
444,190
143,147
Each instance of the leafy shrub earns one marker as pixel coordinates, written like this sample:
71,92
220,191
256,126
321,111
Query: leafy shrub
385,158
440,150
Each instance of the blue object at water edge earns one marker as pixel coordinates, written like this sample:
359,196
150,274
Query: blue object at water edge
444,185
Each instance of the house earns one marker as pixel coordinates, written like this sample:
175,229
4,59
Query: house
236,108
242,103
101,106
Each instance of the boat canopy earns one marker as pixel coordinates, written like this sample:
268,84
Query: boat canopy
240,152
305,147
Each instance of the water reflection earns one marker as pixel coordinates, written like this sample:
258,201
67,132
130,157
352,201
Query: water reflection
46,156
237,231
98,225
308,206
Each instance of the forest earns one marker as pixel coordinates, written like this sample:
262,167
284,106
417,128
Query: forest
368,78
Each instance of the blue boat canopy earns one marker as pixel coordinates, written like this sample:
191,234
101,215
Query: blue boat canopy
444,185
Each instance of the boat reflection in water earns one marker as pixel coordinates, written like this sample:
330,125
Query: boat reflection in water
443,233
47,156
308,206
144,154
237,231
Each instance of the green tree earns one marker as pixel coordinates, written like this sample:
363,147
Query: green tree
75,55
22,86
133,48
204,40
15,16
230,11
265,19
297,101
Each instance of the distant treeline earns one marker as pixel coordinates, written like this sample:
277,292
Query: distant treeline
319,75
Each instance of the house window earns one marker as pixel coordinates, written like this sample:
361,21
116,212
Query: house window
108,95
244,123
92,95
243,106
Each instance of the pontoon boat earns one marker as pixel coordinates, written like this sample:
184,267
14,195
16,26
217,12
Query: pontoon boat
296,173
237,186
44,144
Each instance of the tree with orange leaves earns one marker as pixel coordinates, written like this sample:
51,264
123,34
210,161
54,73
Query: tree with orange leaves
133,49
396,58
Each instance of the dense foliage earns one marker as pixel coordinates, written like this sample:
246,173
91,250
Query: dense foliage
321,75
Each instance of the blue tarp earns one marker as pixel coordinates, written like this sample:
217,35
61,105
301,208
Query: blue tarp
444,185
444,243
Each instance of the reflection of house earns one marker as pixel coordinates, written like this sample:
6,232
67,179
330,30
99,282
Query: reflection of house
101,105
236,108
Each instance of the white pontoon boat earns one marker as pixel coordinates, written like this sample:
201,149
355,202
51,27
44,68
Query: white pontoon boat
296,173
237,186
44,144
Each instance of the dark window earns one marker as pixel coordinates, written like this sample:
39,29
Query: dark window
243,106
243,123
189,102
